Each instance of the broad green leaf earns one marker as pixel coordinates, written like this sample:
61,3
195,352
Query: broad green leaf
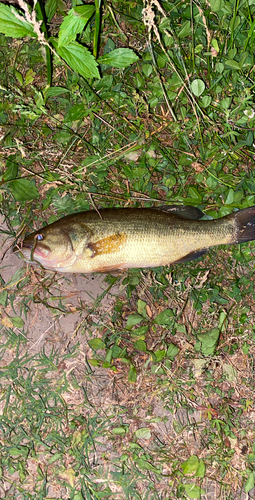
140,345
165,24
19,77
159,370
119,58
206,101
158,355
249,138
245,346
74,23
79,496
225,103
51,8
197,87
233,64
133,319
193,491
120,431
29,78
185,30
181,329
198,49
11,170
141,308
90,161
234,23
145,465
172,351
165,317
62,136
200,472
23,190
132,375
84,11
216,5
147,69
209,341
219,67
18,450
143,433
117,352
3,298
190,466
17,321
215,44
249,483
230,197
108,357
106,364
79,59
140,331
193,192
55,91
75,113
194,467
93,362
232,53
12,23
96,344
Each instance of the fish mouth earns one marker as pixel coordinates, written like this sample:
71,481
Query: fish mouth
31,250
40,254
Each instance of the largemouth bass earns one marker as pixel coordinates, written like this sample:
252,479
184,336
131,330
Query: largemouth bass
112,239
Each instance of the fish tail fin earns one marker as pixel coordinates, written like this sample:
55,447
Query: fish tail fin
245,225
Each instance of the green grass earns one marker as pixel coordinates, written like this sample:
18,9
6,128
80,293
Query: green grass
149,394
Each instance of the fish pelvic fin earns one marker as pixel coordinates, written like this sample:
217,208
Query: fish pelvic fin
245,225
106,245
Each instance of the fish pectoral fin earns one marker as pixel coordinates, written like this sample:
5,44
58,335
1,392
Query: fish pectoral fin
191,256
109,244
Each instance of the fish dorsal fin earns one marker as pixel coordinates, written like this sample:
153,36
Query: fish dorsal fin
184,211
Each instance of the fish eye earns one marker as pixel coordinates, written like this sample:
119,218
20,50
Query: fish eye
39,237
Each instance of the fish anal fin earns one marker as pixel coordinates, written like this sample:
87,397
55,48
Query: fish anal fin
106,245
191,256
115,268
